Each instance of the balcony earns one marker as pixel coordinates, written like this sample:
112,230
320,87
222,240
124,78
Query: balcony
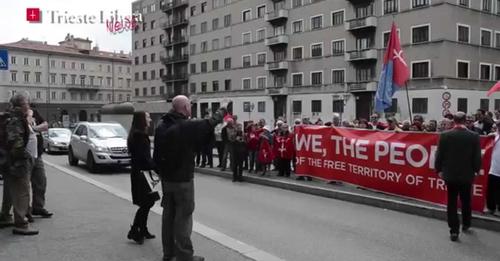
276,16
276,66
360,2
175,41
369,86
175,59
361,23
361,55
170,6
175,77
80,87
277,90
174,23
276,40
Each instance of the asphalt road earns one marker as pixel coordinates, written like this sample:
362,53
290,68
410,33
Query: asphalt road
296,226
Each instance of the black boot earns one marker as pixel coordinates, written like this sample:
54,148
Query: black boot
136,235
146,233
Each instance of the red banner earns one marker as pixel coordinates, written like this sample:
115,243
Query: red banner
396,163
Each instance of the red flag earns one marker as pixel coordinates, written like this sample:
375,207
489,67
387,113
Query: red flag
401,73
493,89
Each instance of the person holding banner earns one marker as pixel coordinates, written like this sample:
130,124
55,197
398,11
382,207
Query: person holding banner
458,161
493,196
284,151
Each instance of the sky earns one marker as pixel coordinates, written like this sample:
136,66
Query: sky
15,26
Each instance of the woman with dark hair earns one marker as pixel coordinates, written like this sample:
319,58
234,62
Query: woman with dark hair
139,147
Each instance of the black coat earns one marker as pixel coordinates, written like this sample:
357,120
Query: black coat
458,155
176,141
139,147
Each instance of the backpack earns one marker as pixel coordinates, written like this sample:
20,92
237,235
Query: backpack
4,119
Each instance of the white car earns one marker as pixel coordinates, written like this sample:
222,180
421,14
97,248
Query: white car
56,140
98,144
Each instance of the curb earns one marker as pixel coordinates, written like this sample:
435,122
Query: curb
395,204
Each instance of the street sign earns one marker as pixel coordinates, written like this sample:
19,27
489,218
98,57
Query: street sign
4,60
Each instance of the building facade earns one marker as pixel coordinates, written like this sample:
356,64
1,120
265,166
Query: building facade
69,82
311,58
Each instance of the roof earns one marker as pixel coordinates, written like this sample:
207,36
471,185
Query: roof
43,47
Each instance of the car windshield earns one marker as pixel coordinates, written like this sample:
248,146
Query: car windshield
107,131
62,133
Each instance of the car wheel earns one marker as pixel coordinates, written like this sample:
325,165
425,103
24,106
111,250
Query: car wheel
48,149
91,165
71,158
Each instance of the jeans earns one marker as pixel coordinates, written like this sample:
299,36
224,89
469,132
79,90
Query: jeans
252,154
465,192
220,151
19,188
228,148
38,184
177,220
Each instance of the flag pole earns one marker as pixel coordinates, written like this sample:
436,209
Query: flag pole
408,102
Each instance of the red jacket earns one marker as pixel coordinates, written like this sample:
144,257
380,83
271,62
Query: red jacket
266,155
283,147
253,140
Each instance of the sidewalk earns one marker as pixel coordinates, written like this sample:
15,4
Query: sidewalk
354,194
91,224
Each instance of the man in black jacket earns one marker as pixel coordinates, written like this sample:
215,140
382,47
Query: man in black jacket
458,160
176,140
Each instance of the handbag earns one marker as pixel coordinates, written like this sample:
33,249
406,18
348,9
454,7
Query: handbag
153,194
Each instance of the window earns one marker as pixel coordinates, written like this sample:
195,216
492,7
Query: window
297,53
52,78
497,34
317,50
215,24
215,86
419,105
38,95
462,104
316,78
338,106
144,76
52,63
153,24
153,57
192,29
128,83
394,107
203,67
246,106
261,82
390,6
137,92
13,76
63,64
193,10
203,7
419,3
247,83
484,104
153,91
261,35
261,58
144,59
215,65
497,72
144,43
82,80
261,11
338,76
261,106
296,3
203,47
463,33
227,85
464,3
338,18
497,104
227,20
26,61
192,49
246,38
152,8
227,63
246,15
316,22
144,91
227,41
296,107
420,69
485,72
73,65
162,90
215,44
192,87
420,34
338,47
316,106
73,79
63,78
38,77
153,76
246,61
153,39
203,27
297,26
486,5
486,37
12,60
463,69
63,96
297,79
26,77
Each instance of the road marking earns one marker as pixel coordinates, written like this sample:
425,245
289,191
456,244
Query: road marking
210,233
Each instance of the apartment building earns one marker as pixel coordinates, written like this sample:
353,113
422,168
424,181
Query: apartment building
68,82
311,58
